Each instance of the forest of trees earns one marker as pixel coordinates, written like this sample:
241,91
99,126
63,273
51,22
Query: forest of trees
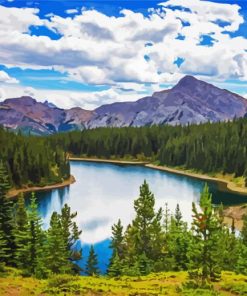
26,245
210,147
154,241
32,160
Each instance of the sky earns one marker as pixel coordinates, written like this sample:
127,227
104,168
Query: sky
89,53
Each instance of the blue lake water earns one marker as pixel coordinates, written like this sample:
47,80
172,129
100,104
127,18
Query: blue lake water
103,193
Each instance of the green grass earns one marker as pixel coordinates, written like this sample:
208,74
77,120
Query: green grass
169,283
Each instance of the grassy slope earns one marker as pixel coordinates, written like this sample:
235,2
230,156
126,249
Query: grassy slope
169,283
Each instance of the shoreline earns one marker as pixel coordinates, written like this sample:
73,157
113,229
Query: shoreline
113,161
230,212
223,185
13,193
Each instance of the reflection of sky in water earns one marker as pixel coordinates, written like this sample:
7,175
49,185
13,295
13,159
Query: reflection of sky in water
105,192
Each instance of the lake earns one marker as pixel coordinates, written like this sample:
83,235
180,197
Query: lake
103,193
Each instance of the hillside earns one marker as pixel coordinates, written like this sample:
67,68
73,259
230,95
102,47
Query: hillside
169,283
190,101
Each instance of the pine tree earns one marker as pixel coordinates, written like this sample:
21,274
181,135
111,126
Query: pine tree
117,244
147,228
244,230
178,240
145,264
241,266
6,220
178,216
116,266
229,247
204,251
56,250
92,263
22,238
36,236
71,234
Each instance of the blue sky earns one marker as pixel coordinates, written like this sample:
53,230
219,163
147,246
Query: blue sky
88,53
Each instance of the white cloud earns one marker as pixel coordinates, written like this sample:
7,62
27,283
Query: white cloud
5,78
100,49
68,99
71,11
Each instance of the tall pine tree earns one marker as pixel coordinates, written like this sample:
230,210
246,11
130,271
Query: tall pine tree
92,263
204,251
7,241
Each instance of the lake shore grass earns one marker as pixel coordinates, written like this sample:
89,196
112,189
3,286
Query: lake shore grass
13,192
163,283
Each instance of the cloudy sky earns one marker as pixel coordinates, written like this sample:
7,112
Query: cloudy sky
88,53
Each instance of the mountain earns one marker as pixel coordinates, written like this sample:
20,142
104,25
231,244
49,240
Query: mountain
28,115
190,101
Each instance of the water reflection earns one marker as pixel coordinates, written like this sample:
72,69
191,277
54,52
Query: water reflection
105,192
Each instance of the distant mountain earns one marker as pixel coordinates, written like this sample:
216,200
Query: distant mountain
30,116
190,101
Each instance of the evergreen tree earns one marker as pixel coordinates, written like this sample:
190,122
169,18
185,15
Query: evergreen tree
117,246
241,266
57,253
145,265
244,230
178,240
6,220
116,266
36,236
71,234
178,216
92,263
22,237
147,224
204,251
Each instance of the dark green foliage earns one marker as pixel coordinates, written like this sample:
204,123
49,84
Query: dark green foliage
147,224
7,243
178,240
70,234
56,248
22,238
191,147
36,239
32,160
40,252
116,266
205,248
117,246
242,256
92,263
117,239
144,238
244,230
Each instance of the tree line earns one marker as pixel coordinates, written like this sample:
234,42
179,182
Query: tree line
209,147
32,160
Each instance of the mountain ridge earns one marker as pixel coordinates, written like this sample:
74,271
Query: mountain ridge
189,101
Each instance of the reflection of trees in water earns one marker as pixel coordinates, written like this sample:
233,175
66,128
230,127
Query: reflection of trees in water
49,201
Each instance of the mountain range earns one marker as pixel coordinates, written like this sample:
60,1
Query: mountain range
189,101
